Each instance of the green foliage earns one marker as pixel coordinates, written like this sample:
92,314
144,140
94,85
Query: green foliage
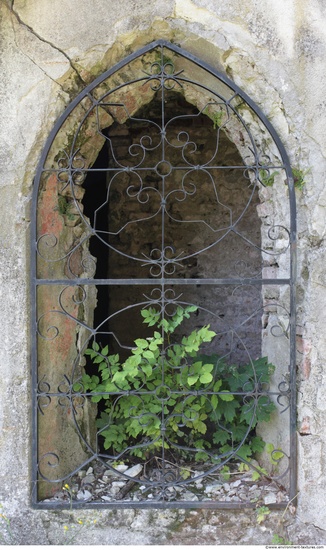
256,474
275,454
170,395
280,540
262,513
65,206
217,117
266,177
225,473
299,177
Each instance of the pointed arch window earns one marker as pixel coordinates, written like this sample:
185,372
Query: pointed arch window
163,291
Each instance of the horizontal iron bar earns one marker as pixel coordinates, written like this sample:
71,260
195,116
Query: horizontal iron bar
153,282
212,505
70,395
188,167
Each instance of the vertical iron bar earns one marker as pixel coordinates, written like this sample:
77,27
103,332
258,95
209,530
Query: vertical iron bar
163,247
34,376
293,366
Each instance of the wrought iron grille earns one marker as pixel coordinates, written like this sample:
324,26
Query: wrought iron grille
163,276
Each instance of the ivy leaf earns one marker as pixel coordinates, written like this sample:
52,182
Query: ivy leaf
153,346
119,377
258,445
114,359
105,350
141,343
200,427
102,365
206,378
255,475
205,334
94,382
192,380
110,387
239,432
276,454
262,513
221,436
148,354
147,369
145,313
189,309
214,401
217,385
86,379
98,359
226,396
104,420
171,402
245,452
151,316
105,375
130,364
208,367
229,410
134,428
155,407
96,398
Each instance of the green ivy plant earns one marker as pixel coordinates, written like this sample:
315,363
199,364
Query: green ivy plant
262,512
299,177
266,177
173,395
216,116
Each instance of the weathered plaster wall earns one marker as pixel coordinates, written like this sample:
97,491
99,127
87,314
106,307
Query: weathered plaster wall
273,49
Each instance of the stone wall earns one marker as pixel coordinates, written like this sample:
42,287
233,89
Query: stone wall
275,51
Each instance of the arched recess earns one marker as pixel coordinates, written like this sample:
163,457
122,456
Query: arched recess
163,195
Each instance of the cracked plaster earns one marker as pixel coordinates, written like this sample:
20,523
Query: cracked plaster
51,59
82,35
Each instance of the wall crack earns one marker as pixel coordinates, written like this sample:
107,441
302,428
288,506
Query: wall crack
38,66
81,82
